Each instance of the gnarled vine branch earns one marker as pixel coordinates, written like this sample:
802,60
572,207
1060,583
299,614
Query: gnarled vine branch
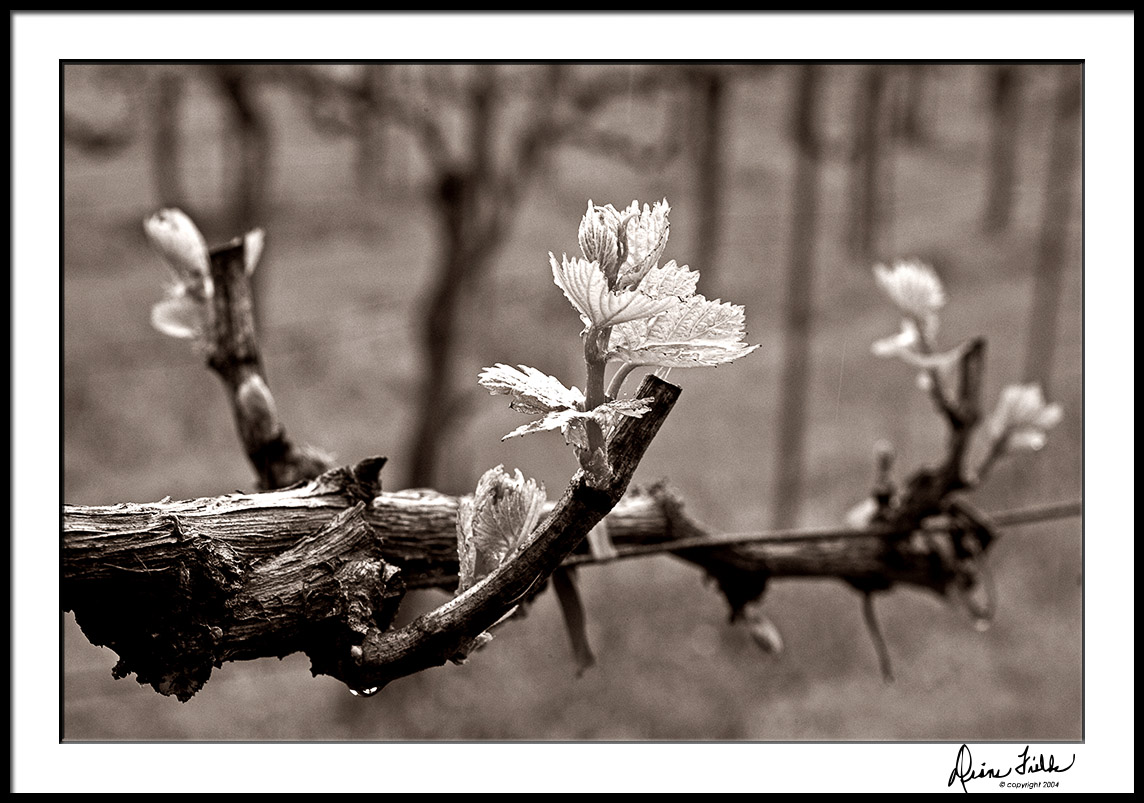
179,587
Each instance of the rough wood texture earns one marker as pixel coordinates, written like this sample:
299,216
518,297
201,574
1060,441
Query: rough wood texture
452,630
177,588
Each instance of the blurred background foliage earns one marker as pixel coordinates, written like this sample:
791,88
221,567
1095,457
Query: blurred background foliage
409,212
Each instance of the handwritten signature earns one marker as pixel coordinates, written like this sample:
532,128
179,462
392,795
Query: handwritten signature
963,767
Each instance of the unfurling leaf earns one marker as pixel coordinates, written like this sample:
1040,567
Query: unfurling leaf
691,332
915,289
646,234
561,420
179,315
597,236
532,391
1022,419
908,346
185,312
587,288
253,243
176,238
571,422
490,524
537,393
625,245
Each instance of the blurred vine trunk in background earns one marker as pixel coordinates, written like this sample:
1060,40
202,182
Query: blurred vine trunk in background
790,454
372,131
1004,105
909,121
476,202
1054,252
465,206
708,95
867,206
250,157
166,138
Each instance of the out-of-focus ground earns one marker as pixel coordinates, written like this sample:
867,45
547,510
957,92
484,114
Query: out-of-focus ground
144,419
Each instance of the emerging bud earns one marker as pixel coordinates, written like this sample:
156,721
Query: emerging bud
597,237
915,290
1022,419
626,245
909,347
645,234
176,238
185,312
253,244
180,315
257,411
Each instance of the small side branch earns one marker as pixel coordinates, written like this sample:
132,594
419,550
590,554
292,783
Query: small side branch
233,354
448,631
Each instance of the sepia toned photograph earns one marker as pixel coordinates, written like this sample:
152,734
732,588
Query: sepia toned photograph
363,365
416,408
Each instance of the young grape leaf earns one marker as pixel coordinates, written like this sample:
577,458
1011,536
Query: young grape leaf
180,314
571,422
608,414
646,234
913,287
689,333
586,287
184,313
561,419
501,514
532,391
670,280
179,242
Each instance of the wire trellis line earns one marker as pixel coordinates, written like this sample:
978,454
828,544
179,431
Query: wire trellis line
1006,518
